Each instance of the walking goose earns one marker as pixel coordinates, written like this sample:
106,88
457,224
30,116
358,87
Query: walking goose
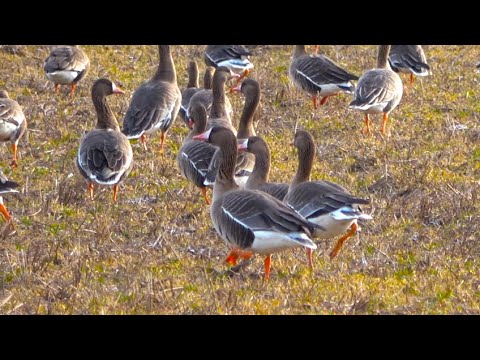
234,57
318,75
6,187
323,203
105,154
12,123
194,156
378,90
155,103
250,221
258,179
409,59
66,65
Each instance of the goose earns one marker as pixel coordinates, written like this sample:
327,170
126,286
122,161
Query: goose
155,103
378,90
194,157
250,221
66,65
258,179
234,57
409,59
12,123
105,155
317,75
6,187
190,90
322,203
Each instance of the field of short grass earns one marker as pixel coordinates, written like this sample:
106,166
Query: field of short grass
155,251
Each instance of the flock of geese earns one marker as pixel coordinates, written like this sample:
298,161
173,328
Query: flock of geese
251,214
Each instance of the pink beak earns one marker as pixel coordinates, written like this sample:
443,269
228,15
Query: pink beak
242,145
204,136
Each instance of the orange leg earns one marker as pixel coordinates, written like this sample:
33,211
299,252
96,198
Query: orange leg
268,264
235,254
55,88
384,123
315,99
244,74
72,89
90,190
143,139
411,79
324,100
4,212
367,131
14,164
115,191
162,137
205,196
310,258
339,244
317,49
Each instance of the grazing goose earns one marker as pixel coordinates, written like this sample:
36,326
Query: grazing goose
190,90
318,75
250,221
6,187
105,154
12,123
194,157
66,65
155,103
234,57
409,59
323,203
258,179
378,90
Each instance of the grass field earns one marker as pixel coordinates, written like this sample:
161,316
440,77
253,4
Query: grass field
156,252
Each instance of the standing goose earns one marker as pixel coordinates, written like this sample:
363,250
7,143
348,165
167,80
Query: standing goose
250,221
190,90
6,187
323,203
378,90
258,179
12,123
318,75
66,65
194,157
155,103
234,57
205,95
409,59
105,154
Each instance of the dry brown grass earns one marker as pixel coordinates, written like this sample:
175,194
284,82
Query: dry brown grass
155,251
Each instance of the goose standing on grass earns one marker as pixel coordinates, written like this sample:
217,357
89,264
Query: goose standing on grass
105,154
205,95
155,103
192,88
378,90
194,157
258,179
67,65
250,221
6,187
409,59
234,57
318,75
322,203
12,123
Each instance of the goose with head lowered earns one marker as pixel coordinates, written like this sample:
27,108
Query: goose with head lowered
105,155
250,221
409,59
